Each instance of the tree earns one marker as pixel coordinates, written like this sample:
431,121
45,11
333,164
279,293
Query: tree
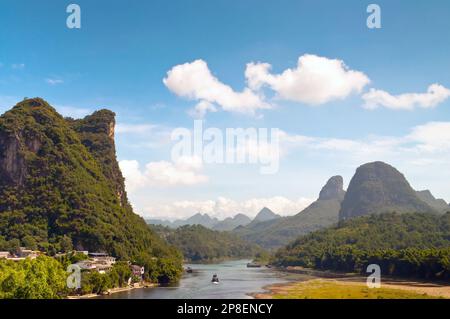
66,244
29,242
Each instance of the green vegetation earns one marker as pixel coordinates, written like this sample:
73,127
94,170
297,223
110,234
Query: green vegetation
40,278
321,289
61,189
408,245
97,283
45,278
200,244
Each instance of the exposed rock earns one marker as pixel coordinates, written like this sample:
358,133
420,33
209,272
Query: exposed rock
334,189
264,215
379,188
438,204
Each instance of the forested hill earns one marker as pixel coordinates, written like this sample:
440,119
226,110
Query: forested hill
410,245
60,187
200,244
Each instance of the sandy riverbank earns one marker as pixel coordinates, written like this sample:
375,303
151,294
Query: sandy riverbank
339,285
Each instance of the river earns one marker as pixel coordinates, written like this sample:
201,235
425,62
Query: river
236,281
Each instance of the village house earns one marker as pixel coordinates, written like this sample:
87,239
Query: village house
102,258
22,254
138,271
4,254
100,262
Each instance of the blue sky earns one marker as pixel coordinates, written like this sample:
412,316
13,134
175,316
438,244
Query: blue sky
124,49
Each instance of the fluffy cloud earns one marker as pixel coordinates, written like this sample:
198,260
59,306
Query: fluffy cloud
315,80
162,174
432,137
423,153
435,95
200,110
422,143
223,207
195,81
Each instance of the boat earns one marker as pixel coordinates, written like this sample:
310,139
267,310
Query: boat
215,279
253,265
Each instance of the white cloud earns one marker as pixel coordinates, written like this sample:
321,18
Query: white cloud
435,95
423,141
195,81
432,137
186,171
423,154
200,110
223,207
315,80
134,178
54,81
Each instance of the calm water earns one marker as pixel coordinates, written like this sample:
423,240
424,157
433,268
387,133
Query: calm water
236,281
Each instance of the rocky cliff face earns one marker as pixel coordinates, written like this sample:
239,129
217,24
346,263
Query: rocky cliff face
437,203
14,146
96,132
379,188
334,189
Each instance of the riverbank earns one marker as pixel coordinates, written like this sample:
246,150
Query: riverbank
330,285
114,291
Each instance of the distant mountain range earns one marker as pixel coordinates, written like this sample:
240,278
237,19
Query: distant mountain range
278,232
227,224
375,188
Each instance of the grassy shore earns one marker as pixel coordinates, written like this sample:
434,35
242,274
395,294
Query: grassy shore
348,286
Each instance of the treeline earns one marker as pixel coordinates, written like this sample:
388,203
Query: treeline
200,244
405,245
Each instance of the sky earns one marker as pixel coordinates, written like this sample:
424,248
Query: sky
338,93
